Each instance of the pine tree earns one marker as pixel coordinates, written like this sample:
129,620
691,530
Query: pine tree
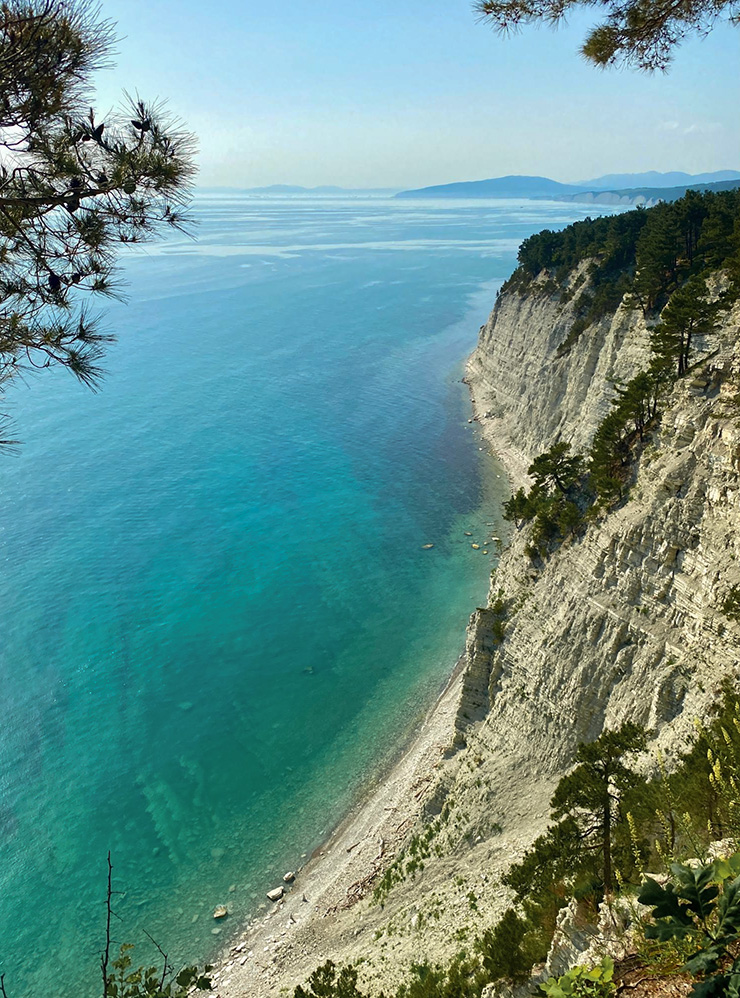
518,509
590,795
691,211
642,33
557,468
716,241
688,314
609,456
73,187
657,254
637,401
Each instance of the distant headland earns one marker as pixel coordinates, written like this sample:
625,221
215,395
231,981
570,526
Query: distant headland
615,188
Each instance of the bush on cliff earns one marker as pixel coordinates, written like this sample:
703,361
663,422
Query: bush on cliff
555,502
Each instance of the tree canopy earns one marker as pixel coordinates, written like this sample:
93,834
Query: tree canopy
639,33
73,186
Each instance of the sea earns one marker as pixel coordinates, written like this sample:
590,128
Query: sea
220,613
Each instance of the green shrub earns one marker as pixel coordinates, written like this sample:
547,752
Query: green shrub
510,949
581,981
699,908
326,982
731,604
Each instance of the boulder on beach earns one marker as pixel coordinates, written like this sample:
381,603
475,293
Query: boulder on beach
289,877
276,894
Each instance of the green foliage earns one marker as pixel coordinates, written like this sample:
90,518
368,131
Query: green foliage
327,982
655,258
700,906
591,794
553,501
582,982
701,798
575,857
411,860
619,435
641,33
731,604
643,255
605,814
510,949
460,979
557,468
688,314
125,981
73,187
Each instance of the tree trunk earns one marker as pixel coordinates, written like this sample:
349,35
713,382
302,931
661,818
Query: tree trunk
608,886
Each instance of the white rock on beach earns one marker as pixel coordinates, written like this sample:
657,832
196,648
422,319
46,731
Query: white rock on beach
289,877
276,894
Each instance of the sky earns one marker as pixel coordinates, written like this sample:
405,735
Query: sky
406,93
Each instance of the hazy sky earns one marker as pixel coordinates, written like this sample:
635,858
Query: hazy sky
415,92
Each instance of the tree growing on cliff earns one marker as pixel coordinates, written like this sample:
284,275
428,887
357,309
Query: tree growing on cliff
591,795
73,186
688,314
557,468
640,33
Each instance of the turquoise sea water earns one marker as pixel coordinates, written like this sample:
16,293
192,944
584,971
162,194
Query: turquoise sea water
217,618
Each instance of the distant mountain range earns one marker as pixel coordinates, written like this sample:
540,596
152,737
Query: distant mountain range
621,184
652,179
499,187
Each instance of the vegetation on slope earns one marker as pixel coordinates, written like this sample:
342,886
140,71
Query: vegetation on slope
611,827
645,254
658,260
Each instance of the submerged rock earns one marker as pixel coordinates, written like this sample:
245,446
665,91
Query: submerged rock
221,911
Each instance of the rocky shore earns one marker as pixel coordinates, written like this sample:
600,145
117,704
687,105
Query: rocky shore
318,913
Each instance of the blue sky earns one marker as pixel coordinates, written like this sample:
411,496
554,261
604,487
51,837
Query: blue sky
409,93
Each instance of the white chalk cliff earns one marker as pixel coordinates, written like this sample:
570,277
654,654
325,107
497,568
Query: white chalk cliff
622,622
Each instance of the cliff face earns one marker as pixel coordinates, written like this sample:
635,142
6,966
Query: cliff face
532,393
622,622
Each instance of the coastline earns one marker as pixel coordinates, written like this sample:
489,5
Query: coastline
494,430
286,940
283,944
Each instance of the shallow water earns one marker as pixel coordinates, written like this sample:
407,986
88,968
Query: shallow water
218,618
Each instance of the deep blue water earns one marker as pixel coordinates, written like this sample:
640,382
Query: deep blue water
217,617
